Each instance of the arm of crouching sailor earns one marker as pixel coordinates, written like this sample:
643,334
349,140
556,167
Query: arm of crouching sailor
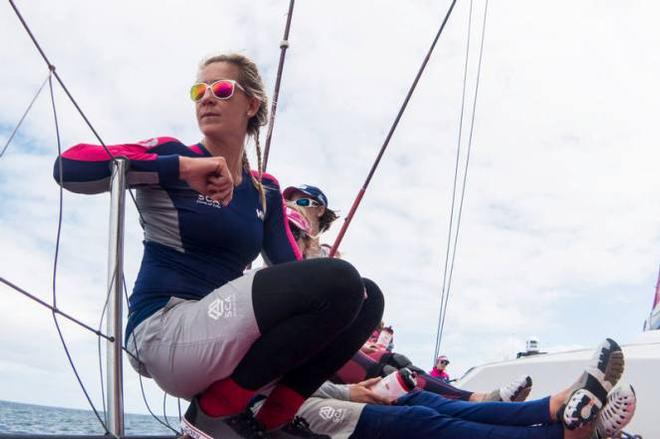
86,169
279,245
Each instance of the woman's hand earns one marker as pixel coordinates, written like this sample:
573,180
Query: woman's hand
209,176
361,392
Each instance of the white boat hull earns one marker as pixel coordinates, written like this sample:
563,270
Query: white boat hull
553,372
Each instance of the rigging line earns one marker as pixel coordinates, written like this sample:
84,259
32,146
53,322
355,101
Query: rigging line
284,45
51,67
29,107
55,310
467,162
105,409
137,358
362,191
453,195
165,410
105,306
55,261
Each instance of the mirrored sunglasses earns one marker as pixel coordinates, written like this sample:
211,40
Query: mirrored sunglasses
222,89
307,202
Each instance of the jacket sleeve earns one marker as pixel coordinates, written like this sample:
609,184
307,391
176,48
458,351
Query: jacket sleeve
279,246
87,169
330,390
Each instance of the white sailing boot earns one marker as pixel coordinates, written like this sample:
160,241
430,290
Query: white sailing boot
617,413
590,394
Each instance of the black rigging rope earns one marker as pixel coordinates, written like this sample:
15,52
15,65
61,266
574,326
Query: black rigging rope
54,73
447,290
284,45
358,198
55,310
55,261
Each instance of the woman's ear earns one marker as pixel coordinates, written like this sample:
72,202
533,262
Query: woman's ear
321,211
253,106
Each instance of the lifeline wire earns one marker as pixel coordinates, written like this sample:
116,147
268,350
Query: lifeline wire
27,110
55,309
360,194
137,358
276,93
51,67
467,162
55,260
98,344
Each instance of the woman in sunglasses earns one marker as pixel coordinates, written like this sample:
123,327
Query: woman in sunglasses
313,203
440,369
198,325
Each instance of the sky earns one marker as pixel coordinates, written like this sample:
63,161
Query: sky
560,232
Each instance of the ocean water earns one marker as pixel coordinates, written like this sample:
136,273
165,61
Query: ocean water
37,419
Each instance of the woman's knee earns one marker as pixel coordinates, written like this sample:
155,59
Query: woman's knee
342,289
375,302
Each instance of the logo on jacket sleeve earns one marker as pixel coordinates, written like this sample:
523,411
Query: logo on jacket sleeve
149,142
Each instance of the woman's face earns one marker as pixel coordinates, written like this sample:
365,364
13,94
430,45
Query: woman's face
440,364
311,212
223,118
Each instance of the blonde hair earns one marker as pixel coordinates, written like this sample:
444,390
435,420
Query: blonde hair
251,81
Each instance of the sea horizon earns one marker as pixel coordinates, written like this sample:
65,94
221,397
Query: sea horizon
28,418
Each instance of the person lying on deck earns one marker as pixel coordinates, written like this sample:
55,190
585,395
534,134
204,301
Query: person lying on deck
583,410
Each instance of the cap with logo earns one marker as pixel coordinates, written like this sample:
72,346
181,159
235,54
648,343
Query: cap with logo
311,191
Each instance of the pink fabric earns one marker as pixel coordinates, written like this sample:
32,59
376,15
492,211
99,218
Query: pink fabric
280,407
443,375
351,372
224,398
289,235
298,219
197,149
134,151
377,355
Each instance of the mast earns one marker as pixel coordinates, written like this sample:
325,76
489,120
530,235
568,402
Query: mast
284,45
115,389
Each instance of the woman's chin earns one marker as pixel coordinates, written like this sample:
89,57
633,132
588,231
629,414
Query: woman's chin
211,130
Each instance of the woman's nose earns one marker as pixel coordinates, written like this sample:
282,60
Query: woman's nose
207,96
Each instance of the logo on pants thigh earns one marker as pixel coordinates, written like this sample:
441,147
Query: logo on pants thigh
224,307
332,414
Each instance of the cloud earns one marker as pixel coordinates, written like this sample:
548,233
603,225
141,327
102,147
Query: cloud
560,230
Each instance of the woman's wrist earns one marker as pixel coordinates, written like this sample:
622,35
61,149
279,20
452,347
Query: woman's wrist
184,167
